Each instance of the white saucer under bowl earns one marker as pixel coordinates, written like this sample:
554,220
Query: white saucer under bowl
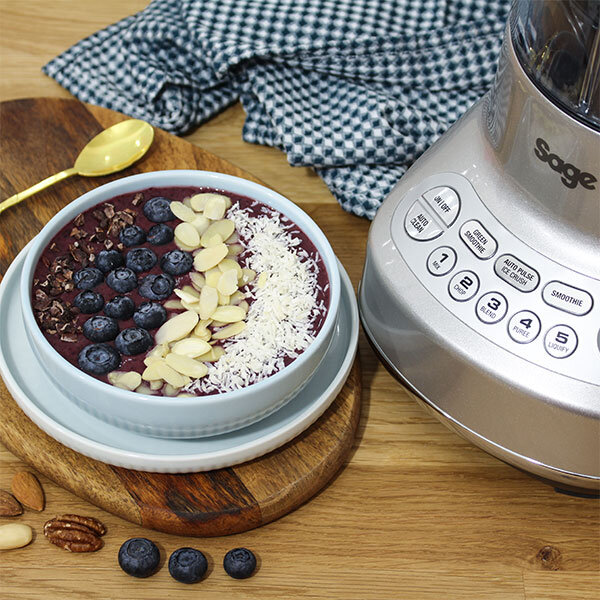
47,407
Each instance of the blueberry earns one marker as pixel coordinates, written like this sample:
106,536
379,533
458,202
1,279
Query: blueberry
139,557
120,307
140,259
239,563
157,287
88,278
99,359
133,340
132,235
160,234
89,302
158,210
122,280
107,260
150,315
100,329
176,262
187,565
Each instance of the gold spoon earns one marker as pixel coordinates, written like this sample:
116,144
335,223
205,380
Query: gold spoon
110,151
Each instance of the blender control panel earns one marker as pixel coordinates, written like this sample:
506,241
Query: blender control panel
495,283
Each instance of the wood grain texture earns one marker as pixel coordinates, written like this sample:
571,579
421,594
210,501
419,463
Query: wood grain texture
219,502
417,513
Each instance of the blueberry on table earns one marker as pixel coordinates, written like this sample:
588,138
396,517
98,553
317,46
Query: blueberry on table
176,262
157,287
160,234
107,260
133,340
132,235
158,210
239,563
120,307
99,359
150,315
89,302
139,557
88,278
187,565
140,259
122,280
100,329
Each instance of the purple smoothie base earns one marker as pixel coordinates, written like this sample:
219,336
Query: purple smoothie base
60,243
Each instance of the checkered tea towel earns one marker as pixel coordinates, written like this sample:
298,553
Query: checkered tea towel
357,89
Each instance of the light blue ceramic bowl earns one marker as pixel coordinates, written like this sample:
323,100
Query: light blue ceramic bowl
168,417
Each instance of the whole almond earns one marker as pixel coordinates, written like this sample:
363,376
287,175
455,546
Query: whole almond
28,490
9,505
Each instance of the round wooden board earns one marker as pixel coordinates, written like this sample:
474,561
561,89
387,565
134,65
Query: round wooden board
214,503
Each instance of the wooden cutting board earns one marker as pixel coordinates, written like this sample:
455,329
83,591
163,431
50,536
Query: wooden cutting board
43,136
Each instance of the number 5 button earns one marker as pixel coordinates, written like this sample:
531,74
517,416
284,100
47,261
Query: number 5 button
524,326
560,341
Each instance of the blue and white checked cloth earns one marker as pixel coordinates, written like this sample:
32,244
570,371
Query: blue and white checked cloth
357,89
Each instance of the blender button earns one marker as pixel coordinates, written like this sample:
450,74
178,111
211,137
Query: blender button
568,298
463,286
445,203
516,273
560,341
420,225
478,239
491,307
441,261
524,326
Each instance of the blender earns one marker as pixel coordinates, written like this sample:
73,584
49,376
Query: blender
481,285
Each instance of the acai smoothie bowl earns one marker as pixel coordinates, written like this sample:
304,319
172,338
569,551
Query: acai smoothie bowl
180,304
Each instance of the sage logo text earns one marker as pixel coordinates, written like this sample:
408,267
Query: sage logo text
570,174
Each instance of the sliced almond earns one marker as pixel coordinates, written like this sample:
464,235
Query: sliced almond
200,223
215,207
235,249
183,246
187,202
209,300
187,234
222,227
244,305
262,280
228,283
233,238
208,241
126,380
156,384
169,374
229,314
187,296
182,212
192,347
195,306
229,331
176,327
186,365
173,305
248,276
230,264
170,390
144,388
237,297
212,356
210,257
197,279
203,334
199,201
151,372
212,277
218,324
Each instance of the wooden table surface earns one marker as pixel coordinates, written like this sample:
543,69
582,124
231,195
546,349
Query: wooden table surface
416,513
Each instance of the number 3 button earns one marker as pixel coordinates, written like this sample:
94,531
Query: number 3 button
524,326
491,307
560,341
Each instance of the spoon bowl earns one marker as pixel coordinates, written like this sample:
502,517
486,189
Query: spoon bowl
110,151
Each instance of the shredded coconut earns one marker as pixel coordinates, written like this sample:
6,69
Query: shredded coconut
284,309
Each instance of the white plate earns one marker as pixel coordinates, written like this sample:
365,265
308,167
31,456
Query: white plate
47,407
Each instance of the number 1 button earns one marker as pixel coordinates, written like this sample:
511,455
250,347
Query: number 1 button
524,326
441,261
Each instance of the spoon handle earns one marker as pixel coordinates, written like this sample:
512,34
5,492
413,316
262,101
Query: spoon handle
38,187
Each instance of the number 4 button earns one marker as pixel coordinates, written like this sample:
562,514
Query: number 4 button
524,326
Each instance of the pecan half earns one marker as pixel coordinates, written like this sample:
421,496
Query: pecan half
75,533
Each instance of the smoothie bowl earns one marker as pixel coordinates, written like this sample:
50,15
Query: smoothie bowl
180,304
